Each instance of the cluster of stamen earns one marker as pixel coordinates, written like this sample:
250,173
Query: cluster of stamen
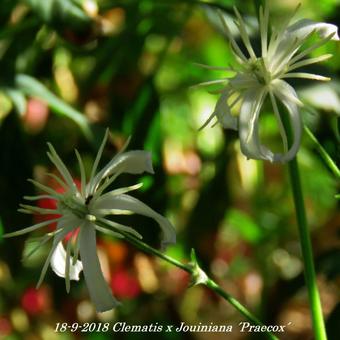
74,205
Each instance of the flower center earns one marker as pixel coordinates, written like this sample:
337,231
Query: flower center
259,70
74,205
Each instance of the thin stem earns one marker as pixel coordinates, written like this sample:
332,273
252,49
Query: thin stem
323,153
148,249
218,290
307,253
305,242
191,270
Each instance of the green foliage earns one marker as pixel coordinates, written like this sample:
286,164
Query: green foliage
32,87
245,226
67,74
63,14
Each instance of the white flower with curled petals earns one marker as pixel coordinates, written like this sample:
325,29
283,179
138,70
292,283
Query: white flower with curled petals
89,208
257,77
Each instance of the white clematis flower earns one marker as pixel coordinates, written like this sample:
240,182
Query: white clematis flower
89,208
261,76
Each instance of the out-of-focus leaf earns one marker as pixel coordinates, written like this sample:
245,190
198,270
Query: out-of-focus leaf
177,251
5,105
320,189
61,13
147,181
34,251
136,111
322,96
12,30
153,139
239,266
247,228
214,18
335,128
18,99
34,88
6,7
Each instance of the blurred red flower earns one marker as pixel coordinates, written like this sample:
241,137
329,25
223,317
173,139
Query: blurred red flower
49,203
35,301
124,284
36,115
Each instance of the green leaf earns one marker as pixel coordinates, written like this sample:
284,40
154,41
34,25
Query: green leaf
246,227
5,105
32,87
335,127
136,112
18,99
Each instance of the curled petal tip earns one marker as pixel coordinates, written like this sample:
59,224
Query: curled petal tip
304,27
149,167
166,244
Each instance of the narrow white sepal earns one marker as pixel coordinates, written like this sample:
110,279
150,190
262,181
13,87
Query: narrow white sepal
99,290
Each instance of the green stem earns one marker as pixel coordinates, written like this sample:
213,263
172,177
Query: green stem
305,241
189,268
323,153
307,253
218,290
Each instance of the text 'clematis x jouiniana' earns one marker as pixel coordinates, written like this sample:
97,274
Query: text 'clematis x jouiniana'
88,208
259,76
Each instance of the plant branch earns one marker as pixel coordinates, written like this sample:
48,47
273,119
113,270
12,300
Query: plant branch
307,253
197,274
305,241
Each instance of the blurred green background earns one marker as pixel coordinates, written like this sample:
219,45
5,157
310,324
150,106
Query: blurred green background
71,68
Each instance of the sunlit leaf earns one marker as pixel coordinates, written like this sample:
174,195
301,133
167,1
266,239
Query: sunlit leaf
35,88
248,229
18,99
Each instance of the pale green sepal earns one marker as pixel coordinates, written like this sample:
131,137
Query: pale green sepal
31,228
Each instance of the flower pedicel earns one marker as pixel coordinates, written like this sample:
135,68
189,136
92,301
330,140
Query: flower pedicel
259,76
88,208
